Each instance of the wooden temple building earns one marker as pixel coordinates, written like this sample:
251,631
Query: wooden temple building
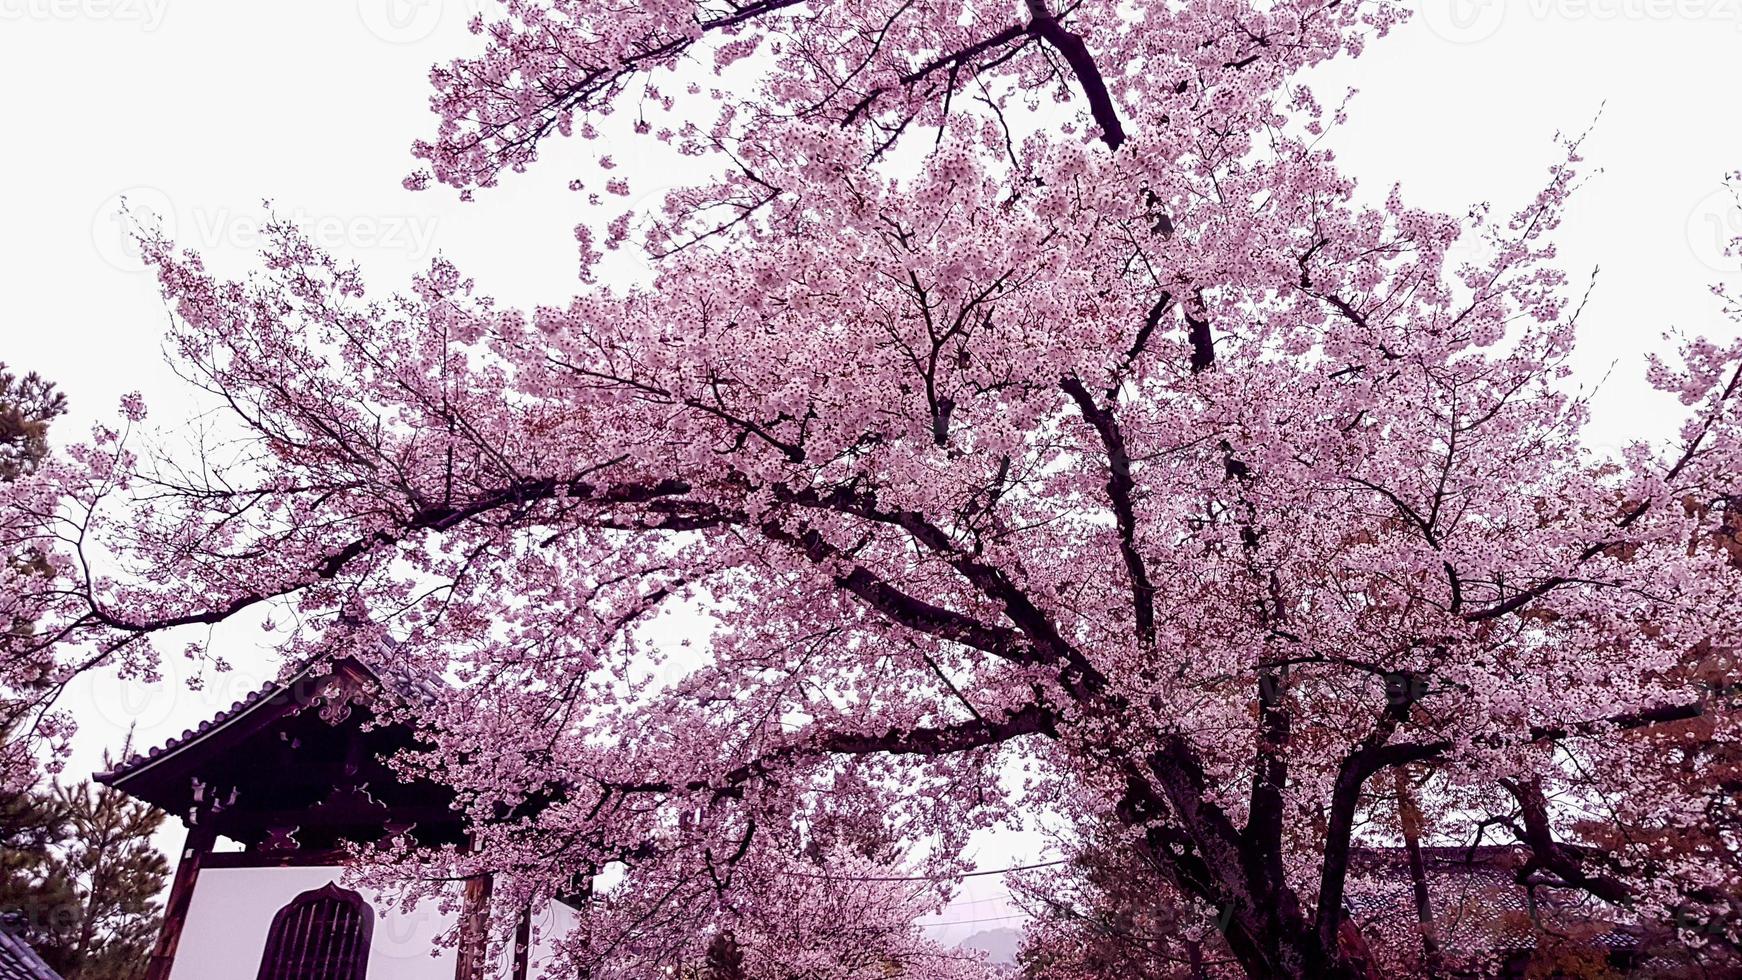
271,791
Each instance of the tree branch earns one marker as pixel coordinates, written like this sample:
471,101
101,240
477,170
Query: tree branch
1119,487
1045,25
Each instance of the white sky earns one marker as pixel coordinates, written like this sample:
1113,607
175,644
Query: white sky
201,109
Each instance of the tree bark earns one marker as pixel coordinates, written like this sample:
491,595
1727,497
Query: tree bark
1409,815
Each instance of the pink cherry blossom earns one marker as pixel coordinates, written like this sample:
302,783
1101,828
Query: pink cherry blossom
1016,390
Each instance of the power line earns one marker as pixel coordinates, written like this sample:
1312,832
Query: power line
937,877
1000,897
970,922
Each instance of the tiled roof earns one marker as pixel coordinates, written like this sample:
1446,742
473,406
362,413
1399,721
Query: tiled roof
395,678
257,697
18,961
1479,903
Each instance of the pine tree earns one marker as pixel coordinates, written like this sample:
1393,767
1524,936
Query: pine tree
35,887
79,872
118,874
35,891
27,405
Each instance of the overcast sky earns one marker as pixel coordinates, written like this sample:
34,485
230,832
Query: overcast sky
202,109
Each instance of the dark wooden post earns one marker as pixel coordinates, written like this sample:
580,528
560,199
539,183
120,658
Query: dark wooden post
201,837
584,894
474,950
523,944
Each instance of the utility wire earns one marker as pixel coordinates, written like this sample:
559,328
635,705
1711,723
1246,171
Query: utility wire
1000,897
969,922
938,877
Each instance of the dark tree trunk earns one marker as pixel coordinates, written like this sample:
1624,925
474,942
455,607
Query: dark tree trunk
1409,815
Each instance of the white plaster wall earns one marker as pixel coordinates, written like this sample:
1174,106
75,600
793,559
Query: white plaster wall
550,924
232,909
556,922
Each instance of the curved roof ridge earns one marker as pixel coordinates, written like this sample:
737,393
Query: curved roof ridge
390,675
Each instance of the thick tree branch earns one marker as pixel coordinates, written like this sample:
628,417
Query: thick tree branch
1119,488
1198,334
1044,25
953,62
929,742
1033,719
1643,718
907,610
1345,798
1373,755
433,518
1550,854
1078,675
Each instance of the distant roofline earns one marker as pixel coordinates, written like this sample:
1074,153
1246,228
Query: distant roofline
23,955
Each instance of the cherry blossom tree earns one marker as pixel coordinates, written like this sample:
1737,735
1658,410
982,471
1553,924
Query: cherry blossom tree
47,504
1106,912
842,918
1040,418
26,573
